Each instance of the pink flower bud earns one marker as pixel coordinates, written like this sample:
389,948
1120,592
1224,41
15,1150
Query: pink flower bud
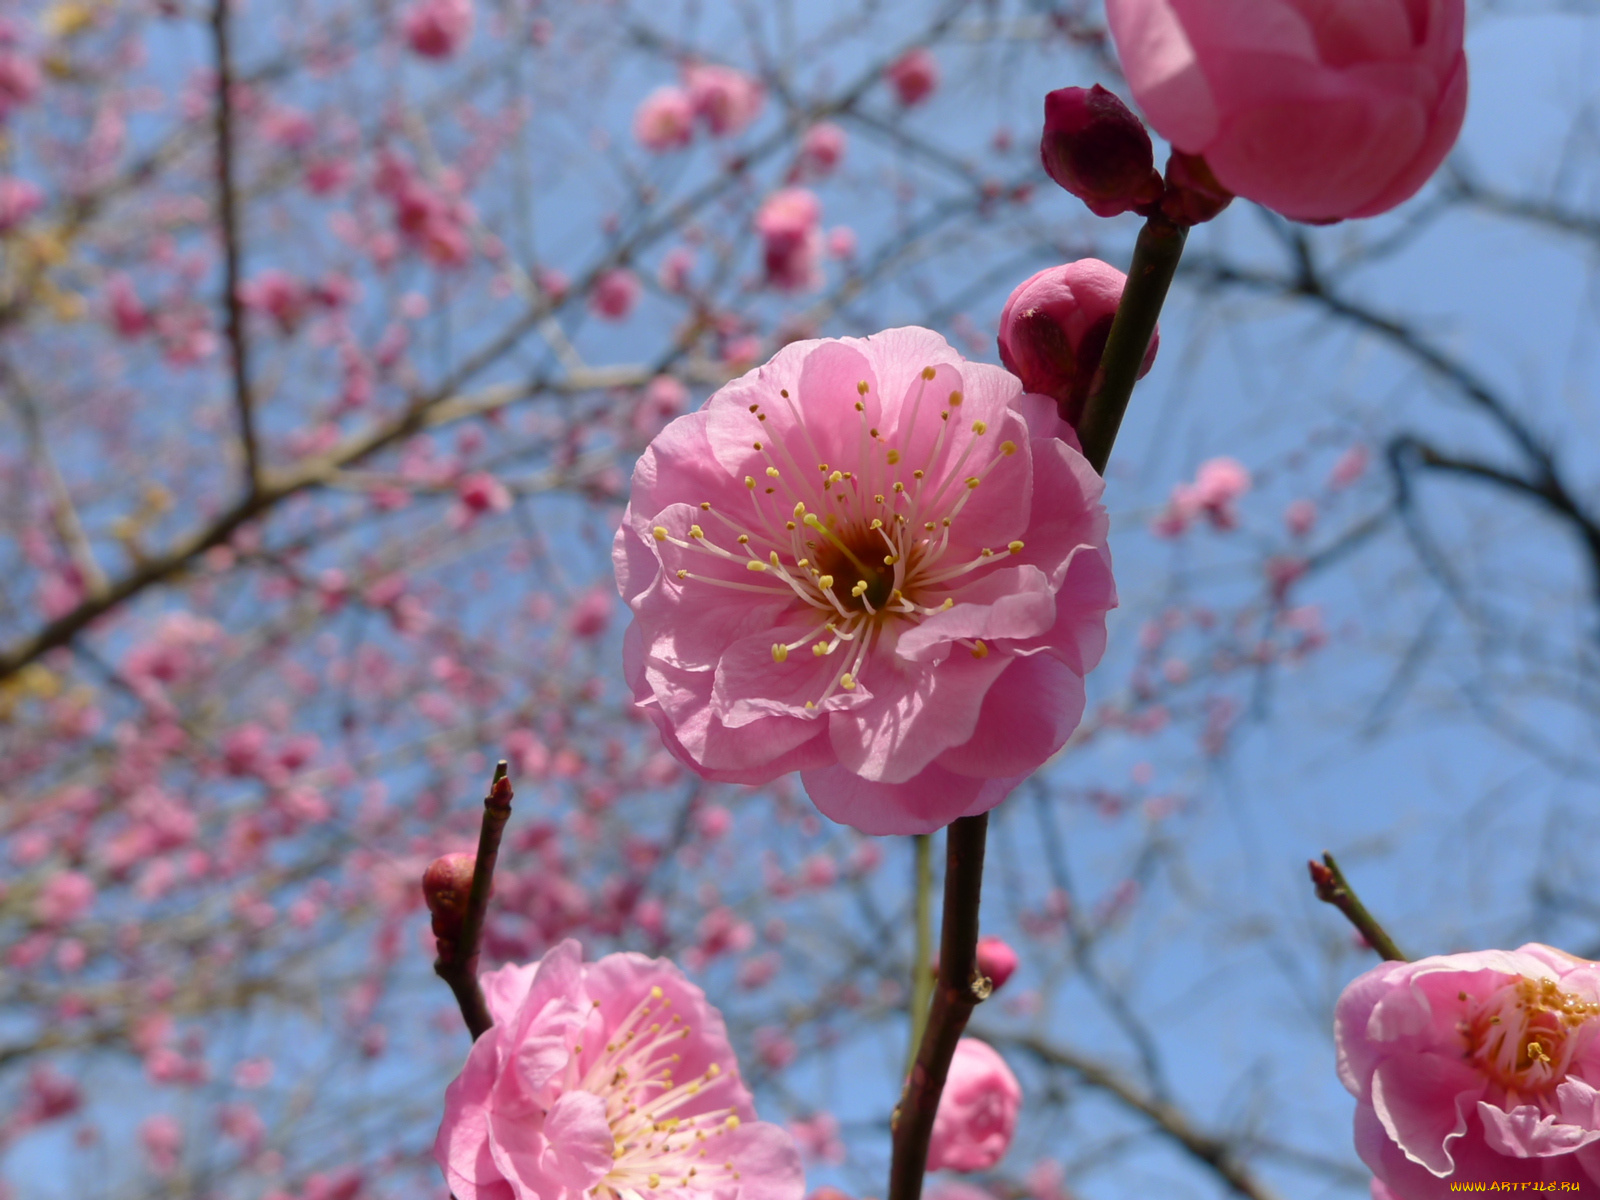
446,887
822,148
1095,148
1319,111
914,76
997,960
1193,195
726,99
977,1112
664,120
1053,331
437,28
614,294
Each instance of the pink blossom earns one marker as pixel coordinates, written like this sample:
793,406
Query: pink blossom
129,317
1320,111
65,897
842,242
614,294
437,28
1217,485
664,398
1478,1067
791,241
481,492
591,615
278,294
162,1138
19,200
1352,465
997,960
1300,518
977,1112
818,1138
822,148
554,1096
914,76
916,643
664,120
1053,331
725,99
19,81
673,274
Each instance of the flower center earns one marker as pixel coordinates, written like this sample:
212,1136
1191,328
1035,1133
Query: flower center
1524,1035
859,547
656,1143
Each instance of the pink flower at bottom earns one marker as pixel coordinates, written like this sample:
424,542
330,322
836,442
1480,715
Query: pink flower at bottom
1480,1067
977,1112
870,561
614,1078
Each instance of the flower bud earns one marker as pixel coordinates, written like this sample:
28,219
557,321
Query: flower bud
977,1113
1193,194
1099,151
997,960
447,886
1053,332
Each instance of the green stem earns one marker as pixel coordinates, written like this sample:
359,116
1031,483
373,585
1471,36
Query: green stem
1155,261
921,959
1333,888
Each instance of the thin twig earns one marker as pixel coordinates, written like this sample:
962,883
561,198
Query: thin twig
1332,888
460,968
960,988
227,204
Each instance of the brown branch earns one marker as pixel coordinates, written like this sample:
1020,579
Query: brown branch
959,990
1217,1154
1333,889
227,205
457,963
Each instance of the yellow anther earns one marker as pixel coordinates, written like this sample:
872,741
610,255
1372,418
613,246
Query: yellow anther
755,445
750,483
955,399
929,526
860,588
812,521
810,704
918,474
928,373
696,532
772,472
860,407
986,553
1008,448
819,648
661,533
836,477
744,539
889,560
754,407
732,1122
949,602
980,427
656,993
893,457
973,481
753,565
876,524
790,526
779,652
772,557
847,681
979,650
863,387
705,506
683,574
655,1180
800,508
899,487
878,498
825,581
1014,547
713,1071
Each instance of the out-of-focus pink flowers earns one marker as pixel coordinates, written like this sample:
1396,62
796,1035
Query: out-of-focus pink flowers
725,99
591,615
437,28
664,120
997,960
822,148
1350,467
791,240
480,492
870,561
977,1112
162,1138
664,398
1479,1067
914,76
818,1138
278,294
1319,111
19,81
1053,332
614,294
19,200
65,897
1217,487
564,1093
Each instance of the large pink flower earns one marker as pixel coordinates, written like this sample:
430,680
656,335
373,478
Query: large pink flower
1478,1067
607,1079
859,562
1320,109
977,1111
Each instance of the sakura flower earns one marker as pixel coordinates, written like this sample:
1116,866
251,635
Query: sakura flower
437,28
19,200
977,1112
726,99
609,1079
664,120
791,240
615,293
914,76
1480,1067
860,562
822,148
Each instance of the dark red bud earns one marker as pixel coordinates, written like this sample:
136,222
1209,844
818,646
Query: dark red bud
447,887
1193,194
1096,148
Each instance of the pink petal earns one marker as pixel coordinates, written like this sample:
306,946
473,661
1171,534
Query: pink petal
1422,1102
580,1141
923,804
1008,602
766,1159
1028,715
1528,1132
1163,72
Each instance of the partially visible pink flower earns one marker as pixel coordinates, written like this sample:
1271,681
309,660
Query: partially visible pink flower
1320,111
1352,465
977,1112
1300,517
664,120
563,1094
1218,484
725,99
591,615
664,398
19,200
822,148
997,960
614,294
818,1138
909,625
1478,1067
65,897
1053,332
842,242
20,81
791,241
914,76
278,294
129,317
437,28
481,492
162,1138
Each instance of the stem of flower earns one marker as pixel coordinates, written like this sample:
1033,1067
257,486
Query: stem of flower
921,974
958,991
1155,261
460,969
1332,888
